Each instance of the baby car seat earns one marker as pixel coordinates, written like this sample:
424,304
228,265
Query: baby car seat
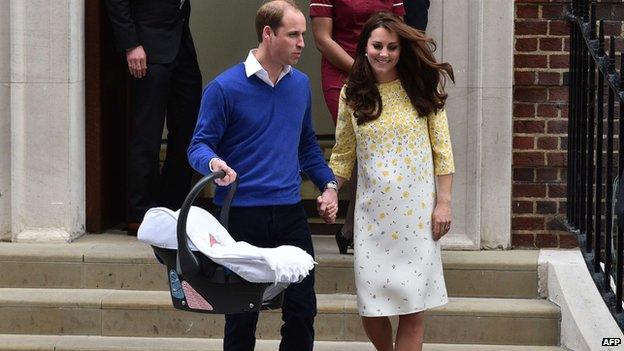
196,283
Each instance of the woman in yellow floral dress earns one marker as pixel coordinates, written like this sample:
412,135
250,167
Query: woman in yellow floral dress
391,118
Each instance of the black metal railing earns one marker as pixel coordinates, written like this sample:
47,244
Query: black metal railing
591,162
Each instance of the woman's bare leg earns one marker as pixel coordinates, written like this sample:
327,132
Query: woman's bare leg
379,331
410,332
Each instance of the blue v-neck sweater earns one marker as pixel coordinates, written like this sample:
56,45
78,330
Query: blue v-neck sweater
264,133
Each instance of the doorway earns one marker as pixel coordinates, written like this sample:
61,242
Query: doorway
106,108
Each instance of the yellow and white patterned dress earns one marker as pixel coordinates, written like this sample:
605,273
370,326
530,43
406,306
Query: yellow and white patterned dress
398,268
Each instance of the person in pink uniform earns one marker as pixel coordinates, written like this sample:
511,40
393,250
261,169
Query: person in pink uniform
336,25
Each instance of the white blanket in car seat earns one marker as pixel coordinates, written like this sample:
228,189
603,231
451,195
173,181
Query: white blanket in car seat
283,264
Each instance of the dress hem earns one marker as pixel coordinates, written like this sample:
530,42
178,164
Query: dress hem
405,313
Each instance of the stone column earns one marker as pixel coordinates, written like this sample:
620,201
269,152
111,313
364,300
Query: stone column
496,122
5,122
476,38
47,120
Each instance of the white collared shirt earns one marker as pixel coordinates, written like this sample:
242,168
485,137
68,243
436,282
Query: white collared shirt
252,66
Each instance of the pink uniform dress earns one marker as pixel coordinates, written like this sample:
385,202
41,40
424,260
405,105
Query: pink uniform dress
348,18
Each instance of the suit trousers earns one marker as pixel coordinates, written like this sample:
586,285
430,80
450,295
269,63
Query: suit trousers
272,226
170,92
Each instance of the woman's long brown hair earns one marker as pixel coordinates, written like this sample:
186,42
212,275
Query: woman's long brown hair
421,76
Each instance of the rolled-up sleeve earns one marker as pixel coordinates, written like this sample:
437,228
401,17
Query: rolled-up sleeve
322,8
398,8
344,152
441,143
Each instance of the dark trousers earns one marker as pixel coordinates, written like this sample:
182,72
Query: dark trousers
272,226
171,90
417,13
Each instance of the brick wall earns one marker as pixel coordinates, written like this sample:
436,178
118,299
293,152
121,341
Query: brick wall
540,124
540,120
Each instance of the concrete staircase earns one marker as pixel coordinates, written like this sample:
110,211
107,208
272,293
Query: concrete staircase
107,292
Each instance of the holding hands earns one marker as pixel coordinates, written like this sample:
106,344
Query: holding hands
327,202
327,205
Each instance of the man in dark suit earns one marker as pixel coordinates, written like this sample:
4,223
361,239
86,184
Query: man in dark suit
166,82
416,13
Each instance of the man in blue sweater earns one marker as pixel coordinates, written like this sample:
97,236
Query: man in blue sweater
255,123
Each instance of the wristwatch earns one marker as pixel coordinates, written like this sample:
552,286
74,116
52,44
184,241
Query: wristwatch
331,185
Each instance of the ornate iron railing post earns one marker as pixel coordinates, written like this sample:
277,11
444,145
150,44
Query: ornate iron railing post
582,126
599,138
620,230
590,136
571,177
609,181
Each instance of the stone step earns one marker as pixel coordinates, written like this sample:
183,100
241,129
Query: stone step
117,261
322,229
150,314
112,343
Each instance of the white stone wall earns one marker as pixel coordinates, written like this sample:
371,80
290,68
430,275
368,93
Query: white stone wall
47,120
5,122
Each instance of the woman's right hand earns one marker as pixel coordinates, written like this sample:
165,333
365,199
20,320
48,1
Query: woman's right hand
441,220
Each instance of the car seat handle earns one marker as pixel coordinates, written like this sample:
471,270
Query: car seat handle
186,262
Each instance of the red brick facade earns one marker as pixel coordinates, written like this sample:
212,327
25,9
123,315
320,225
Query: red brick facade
540,124
541,46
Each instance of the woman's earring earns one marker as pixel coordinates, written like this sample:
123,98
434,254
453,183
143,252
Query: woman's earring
366,54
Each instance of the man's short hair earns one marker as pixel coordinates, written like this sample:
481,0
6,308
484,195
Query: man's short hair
271,14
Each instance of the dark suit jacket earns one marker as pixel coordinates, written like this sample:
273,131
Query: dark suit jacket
417,13
161,26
